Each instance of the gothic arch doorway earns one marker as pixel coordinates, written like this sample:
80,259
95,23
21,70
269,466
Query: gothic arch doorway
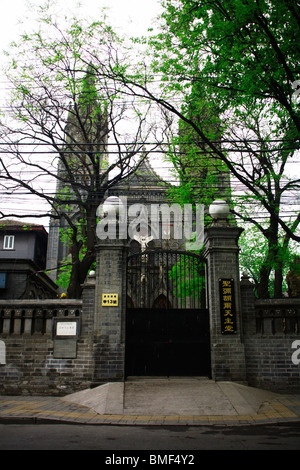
161,302
167,320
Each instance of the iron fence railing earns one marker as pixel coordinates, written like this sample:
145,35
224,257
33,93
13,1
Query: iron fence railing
166,279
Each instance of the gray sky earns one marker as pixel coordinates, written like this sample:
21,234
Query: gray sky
127,17
131,16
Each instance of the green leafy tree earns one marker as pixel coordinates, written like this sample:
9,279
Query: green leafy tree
203,177
254,259
243,56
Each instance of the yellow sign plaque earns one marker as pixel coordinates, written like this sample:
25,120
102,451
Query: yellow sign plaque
110,300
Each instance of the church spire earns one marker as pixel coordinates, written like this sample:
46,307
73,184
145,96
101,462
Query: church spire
87,120
81,163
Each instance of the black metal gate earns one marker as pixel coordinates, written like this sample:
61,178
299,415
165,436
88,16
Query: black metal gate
167,322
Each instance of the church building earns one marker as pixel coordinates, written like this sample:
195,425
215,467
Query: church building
147,302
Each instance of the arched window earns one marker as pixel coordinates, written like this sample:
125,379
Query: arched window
161,302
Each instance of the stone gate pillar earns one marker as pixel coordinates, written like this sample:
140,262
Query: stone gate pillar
222,254
110,309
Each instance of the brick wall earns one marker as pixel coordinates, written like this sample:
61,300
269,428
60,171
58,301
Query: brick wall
269,363
110,320
227,351
270,329
39,362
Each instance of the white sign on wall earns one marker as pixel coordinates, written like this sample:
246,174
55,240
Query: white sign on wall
66,328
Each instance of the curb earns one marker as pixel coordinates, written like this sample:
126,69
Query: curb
88,417
56,410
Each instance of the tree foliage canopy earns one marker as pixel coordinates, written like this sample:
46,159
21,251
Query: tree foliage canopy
241,57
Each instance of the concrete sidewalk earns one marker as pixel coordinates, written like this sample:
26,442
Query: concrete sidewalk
157,401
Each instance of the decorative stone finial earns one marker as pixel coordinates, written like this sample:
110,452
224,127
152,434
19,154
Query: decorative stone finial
219,211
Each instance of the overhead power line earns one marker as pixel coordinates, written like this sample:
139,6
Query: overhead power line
146,143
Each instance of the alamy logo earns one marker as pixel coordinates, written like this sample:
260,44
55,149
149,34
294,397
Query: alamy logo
295,95
144,223
296,354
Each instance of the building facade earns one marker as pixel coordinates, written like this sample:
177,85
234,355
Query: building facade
151,308
56,347
23,250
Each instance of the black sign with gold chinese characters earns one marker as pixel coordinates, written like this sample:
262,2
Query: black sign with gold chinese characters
227,306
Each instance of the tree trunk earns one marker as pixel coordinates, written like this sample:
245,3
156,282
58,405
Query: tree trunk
79,272
278,281
80,267
74,289
78,276
263,285
270,262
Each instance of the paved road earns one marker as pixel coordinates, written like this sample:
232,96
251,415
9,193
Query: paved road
111,439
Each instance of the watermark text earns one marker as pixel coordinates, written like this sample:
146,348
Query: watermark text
143,222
